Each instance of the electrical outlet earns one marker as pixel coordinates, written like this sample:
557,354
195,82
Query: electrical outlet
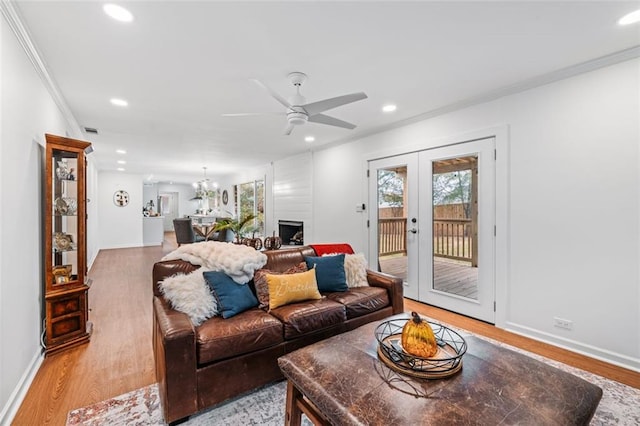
562,323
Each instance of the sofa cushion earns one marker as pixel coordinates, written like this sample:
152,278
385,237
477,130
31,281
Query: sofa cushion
248,331
361,300
329,272
289,288
189,294
309,316
261,285
355,269
232,297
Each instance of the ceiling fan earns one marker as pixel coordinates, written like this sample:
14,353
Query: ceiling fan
299,112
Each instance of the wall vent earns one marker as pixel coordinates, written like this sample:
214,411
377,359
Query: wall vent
91,130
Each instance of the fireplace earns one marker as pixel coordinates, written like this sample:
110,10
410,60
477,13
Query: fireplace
291,232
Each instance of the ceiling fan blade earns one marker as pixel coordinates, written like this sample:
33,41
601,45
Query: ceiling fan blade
288,129
249,114
327,104
331,121
275,95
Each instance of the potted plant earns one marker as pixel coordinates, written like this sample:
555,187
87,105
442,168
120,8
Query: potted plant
238,226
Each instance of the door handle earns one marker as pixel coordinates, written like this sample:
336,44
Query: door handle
413,230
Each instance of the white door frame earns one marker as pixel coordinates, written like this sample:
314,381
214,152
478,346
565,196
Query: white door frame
502,257
411,287
174,208
483,307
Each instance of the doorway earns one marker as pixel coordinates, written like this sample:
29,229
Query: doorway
169,208
434,225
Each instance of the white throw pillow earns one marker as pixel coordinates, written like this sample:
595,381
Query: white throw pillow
190,294
355,269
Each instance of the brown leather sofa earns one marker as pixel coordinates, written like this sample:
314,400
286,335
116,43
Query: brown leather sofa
197,367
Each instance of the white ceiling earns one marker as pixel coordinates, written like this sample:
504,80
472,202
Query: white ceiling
181,65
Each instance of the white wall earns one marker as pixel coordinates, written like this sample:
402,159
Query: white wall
27,112
93,231
572,203
293,193
149,193
120,226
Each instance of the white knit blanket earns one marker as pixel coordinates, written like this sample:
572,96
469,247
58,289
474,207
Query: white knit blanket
237,261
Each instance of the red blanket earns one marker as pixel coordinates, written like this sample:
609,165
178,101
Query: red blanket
332,248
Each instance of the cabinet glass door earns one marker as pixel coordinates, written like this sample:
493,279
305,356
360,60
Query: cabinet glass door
65,218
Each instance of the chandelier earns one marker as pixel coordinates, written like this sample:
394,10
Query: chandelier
202,188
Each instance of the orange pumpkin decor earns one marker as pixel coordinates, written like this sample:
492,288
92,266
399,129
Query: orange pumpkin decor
418,338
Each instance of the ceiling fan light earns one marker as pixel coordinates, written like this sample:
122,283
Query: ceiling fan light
297,118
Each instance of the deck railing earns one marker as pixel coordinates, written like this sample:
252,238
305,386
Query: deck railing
392,236
452,238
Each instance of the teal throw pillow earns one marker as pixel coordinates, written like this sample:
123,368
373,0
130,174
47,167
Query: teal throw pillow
232,297
329,272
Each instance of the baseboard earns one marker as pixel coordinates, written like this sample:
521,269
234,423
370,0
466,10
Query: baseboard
601,354
10,409
90,262
121,246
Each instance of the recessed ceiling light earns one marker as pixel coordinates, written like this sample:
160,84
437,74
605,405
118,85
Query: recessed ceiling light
122,162
121,169
121,151
630,18
309,139
118,13
389,108
119,102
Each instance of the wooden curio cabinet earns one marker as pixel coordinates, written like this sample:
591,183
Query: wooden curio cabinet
65,264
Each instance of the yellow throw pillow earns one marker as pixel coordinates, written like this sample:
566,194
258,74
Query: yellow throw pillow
289,288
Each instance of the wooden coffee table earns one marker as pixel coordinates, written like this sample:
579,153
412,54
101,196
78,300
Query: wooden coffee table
341,381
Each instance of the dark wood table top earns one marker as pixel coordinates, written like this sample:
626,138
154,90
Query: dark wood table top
349,385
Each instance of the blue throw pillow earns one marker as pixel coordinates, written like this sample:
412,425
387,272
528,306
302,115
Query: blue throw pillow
329,272
232,297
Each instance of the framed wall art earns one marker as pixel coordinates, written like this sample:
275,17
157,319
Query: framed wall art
121,198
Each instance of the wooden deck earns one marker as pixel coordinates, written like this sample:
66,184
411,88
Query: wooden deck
450,276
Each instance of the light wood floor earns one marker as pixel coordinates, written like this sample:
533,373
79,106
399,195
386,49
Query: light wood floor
119,357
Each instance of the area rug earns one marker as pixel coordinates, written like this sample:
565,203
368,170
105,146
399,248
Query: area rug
266,406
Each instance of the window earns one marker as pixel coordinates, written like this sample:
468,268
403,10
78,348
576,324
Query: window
250,200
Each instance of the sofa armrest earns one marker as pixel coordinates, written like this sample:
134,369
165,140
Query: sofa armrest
392,284
174,346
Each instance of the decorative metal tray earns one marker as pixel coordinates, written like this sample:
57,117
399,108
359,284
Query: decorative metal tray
446,362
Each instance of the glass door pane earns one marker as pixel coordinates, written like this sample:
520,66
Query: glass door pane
393,228
392,220
455,217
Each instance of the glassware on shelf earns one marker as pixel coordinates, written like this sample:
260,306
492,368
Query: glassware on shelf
66,206
63,170
62,241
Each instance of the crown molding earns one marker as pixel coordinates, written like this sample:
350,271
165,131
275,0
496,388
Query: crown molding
561,74
13,18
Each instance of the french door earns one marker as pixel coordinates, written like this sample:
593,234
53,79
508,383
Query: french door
434,225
